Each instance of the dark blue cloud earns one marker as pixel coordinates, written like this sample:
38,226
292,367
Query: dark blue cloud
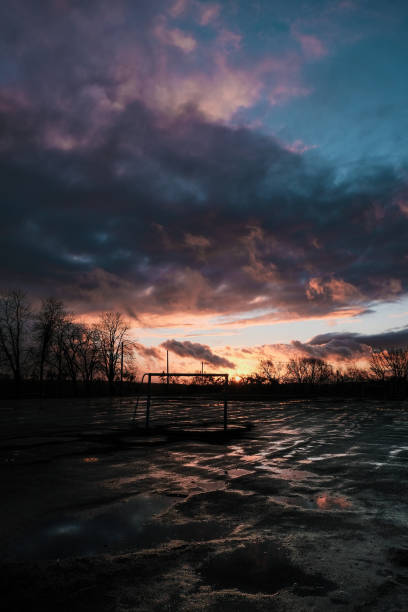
111,200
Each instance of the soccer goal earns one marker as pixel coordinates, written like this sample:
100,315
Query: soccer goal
149,392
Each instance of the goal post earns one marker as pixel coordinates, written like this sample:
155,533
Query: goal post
151,375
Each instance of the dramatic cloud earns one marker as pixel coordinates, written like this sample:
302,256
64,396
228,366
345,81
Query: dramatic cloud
140,172
186,216
395,338
336,350
150,352
198,351
181,215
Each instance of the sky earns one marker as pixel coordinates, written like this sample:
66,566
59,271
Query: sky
232,176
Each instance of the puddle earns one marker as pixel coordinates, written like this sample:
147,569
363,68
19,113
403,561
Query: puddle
325,501
126,524
399,556
236,473
251,458
260,567
288,473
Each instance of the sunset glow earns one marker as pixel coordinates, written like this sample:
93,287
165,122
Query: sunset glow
232,177
204,305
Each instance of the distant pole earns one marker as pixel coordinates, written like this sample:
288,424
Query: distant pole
202,372
167,368
225,402
121,369
149,392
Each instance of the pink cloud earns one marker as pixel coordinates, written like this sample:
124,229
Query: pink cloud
401,200
197,351
312,47
228,40
178,7
174,37
281,93
245,360
218,95
195,241
389,288
298,146
284,317
208,13
335,289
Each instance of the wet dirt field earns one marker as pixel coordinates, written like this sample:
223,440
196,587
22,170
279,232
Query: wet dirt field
303,505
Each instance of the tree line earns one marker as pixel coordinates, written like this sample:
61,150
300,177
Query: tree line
49,348
48,345
385,365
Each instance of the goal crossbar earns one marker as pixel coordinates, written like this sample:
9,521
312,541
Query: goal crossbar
168,375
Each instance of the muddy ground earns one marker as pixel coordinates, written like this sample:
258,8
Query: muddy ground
301,506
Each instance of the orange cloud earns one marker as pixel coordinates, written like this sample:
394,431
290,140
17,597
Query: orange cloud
335,289
283,317
242,360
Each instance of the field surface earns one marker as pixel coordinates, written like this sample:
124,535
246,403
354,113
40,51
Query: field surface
302,505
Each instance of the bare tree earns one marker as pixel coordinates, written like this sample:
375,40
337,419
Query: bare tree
15,317
88,353
60,364
46,325
397,360
390,363
112,331
308,370
355,374
378,365
270,370
253,379
71,346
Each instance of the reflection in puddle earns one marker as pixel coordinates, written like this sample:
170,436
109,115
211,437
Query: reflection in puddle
191,485
330,502
326,456
398,451
288,474
346,448
251,457
200,464
238,472
123,525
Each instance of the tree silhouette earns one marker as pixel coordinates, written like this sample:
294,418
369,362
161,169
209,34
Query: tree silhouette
270,370
390,363
112,331
47,322
15,317
310,370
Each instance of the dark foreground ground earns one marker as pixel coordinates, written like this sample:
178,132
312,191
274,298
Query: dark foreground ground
305,509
